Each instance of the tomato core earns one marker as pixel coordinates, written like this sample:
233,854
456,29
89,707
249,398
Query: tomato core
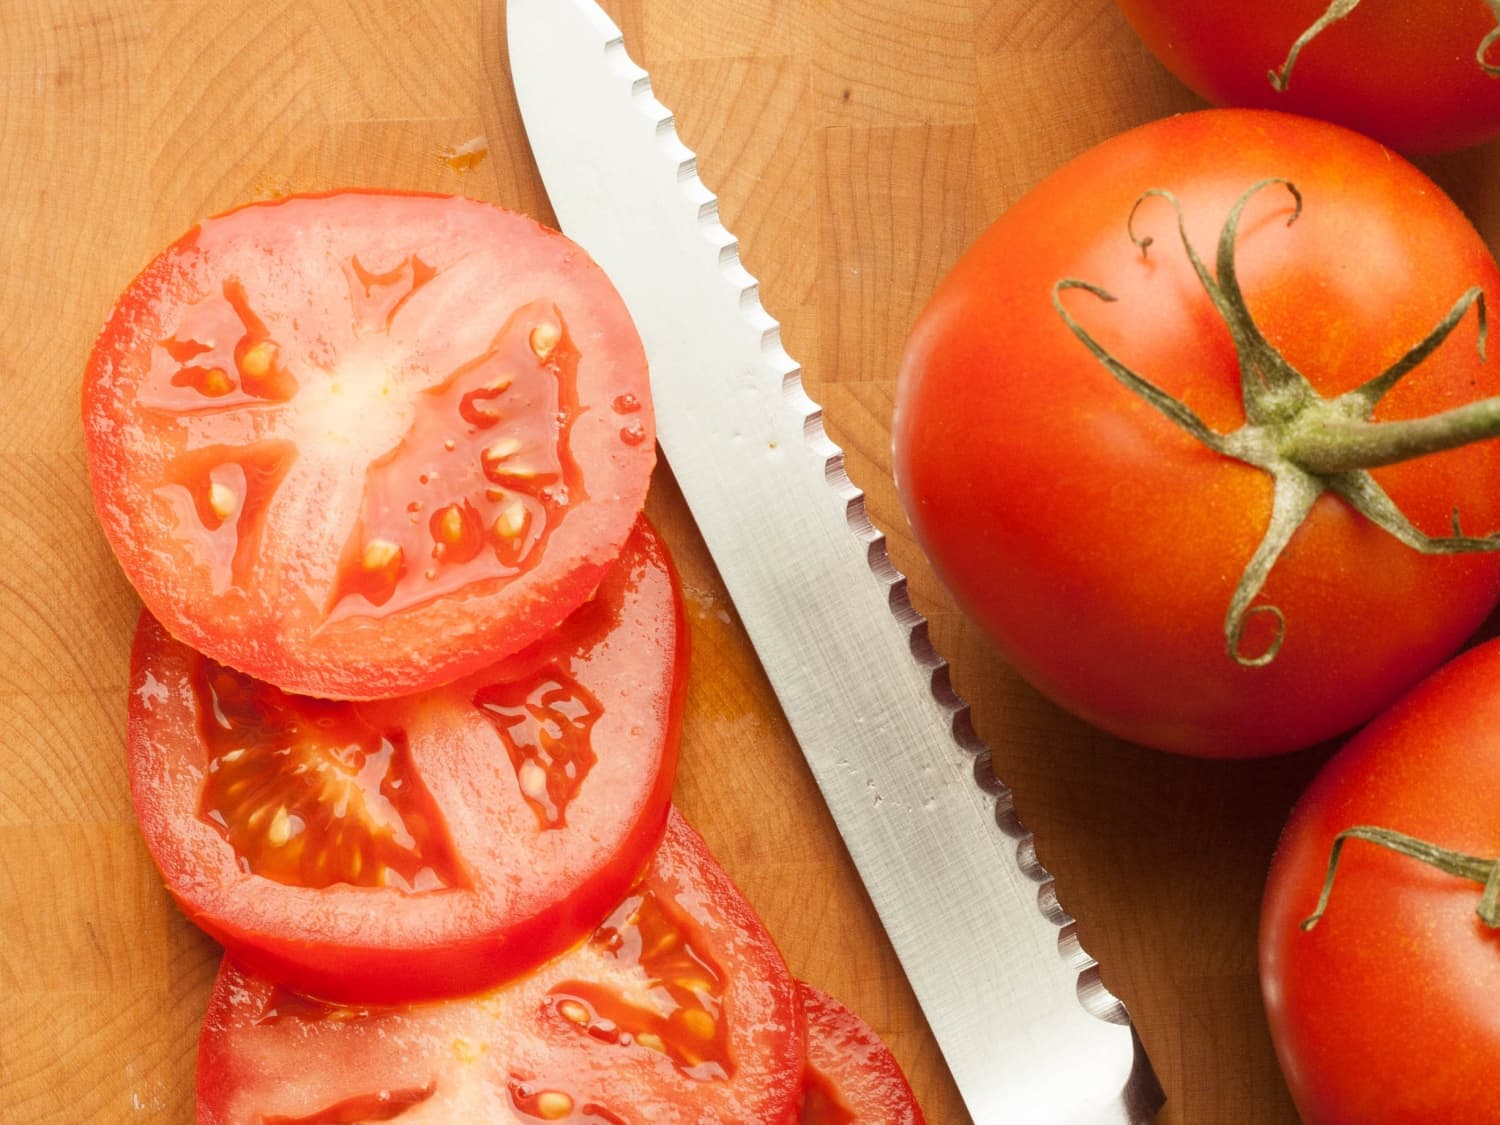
360,445
497,475
497,471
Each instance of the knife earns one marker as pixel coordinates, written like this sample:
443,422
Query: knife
1016,1006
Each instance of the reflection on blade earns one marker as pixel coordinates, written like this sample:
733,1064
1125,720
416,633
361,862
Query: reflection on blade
1016,1005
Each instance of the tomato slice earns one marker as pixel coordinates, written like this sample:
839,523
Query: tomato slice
677,1010
427,845
361,444
851,1077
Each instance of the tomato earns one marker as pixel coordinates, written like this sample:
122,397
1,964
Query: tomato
358,445
426,845
678,1010
1125,566
1383,1012
851,1077
1420,77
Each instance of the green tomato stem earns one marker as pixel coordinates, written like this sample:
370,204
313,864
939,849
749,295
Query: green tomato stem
1306,443
1328,446
1483,54
1282,77
1474,868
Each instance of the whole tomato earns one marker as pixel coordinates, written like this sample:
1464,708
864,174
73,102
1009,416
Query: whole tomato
1245,587
1423,77
1383,1012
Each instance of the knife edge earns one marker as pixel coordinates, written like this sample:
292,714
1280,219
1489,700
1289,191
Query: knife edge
1094,996
1137,1094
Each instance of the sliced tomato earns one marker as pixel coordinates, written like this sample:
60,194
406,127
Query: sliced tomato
851,1076
678,1010
361,444
427,845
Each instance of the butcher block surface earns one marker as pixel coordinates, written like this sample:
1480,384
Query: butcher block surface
857,147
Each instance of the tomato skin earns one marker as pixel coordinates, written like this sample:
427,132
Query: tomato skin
1406,74
292,402
1383,1013
469,1055
852,1077
1096,543
506,886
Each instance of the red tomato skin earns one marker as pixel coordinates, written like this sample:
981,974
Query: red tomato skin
466,1048
1096,543
1403,73
380,945
1384,1013
849,1063
278,623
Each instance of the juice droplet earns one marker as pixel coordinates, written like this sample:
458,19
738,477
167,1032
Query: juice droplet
633,434
626,404
467,156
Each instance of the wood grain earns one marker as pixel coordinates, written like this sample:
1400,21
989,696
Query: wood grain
858,146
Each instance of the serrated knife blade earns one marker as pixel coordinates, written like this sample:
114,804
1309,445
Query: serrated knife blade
1016,1006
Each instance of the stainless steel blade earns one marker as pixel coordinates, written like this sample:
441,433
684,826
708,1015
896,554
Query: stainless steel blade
1030,1034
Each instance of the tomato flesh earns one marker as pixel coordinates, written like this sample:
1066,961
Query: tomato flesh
677,1009
437,843
361,444
851,1076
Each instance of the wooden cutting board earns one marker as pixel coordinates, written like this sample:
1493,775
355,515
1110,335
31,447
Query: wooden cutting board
858,146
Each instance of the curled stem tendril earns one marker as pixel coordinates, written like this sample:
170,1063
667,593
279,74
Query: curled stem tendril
1307,443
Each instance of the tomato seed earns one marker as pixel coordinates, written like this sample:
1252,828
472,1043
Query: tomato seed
533,779
512,521
573,1012
258,358
380,554
500,450
698,1023
544,339
450,524
222,500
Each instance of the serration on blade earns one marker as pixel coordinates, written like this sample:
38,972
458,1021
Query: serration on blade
1016,1005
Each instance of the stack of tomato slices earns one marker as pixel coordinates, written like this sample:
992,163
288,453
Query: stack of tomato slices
407,689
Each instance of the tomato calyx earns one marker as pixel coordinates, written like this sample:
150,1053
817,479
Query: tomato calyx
1337,10
1475,868
1309,444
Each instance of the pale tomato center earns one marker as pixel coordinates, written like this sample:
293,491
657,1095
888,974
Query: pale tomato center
360,410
